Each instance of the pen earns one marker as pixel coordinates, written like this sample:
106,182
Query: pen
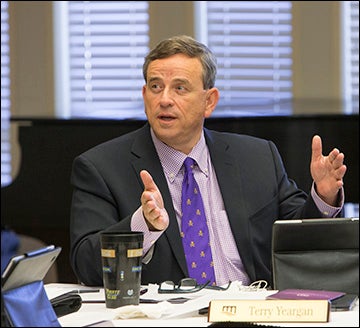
82,291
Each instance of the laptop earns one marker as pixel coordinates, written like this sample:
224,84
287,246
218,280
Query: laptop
321,254
29,267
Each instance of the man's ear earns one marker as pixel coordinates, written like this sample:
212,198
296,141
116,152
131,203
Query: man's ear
143,90
212,99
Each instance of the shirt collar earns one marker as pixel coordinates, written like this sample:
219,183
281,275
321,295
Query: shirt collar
172,159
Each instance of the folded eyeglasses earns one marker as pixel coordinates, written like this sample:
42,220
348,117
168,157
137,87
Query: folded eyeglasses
187,285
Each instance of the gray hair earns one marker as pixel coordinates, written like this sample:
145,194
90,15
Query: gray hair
186,45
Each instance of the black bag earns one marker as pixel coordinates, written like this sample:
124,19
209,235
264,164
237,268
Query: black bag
66,303
320,254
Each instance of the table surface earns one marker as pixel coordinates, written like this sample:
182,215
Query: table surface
164,314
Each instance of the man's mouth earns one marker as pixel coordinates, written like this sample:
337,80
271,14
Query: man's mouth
166,117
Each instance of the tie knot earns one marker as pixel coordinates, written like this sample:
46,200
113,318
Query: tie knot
188,163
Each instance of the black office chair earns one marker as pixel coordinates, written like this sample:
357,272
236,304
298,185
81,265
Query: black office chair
316,254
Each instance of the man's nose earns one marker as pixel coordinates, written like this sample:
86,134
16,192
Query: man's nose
166,97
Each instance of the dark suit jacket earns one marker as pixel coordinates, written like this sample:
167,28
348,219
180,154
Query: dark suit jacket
107,190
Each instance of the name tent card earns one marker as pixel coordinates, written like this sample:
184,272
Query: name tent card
269,311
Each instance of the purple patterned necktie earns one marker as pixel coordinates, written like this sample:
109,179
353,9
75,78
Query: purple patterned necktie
194,229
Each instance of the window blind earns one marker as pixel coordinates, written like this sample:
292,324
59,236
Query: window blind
5,97
252,42
108,41
350,69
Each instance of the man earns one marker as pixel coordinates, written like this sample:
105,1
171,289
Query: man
133,182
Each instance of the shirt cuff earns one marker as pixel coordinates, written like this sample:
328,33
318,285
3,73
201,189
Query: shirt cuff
326,209
150,237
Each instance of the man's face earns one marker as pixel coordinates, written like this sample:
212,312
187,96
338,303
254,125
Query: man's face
176,103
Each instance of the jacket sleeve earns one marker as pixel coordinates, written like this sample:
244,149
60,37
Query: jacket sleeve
93,210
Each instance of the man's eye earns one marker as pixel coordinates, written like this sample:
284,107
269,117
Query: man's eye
155,87
180,88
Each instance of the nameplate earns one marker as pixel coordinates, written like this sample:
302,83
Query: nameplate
269,310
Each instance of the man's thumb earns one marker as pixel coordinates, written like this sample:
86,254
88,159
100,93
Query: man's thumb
148,181
316,147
